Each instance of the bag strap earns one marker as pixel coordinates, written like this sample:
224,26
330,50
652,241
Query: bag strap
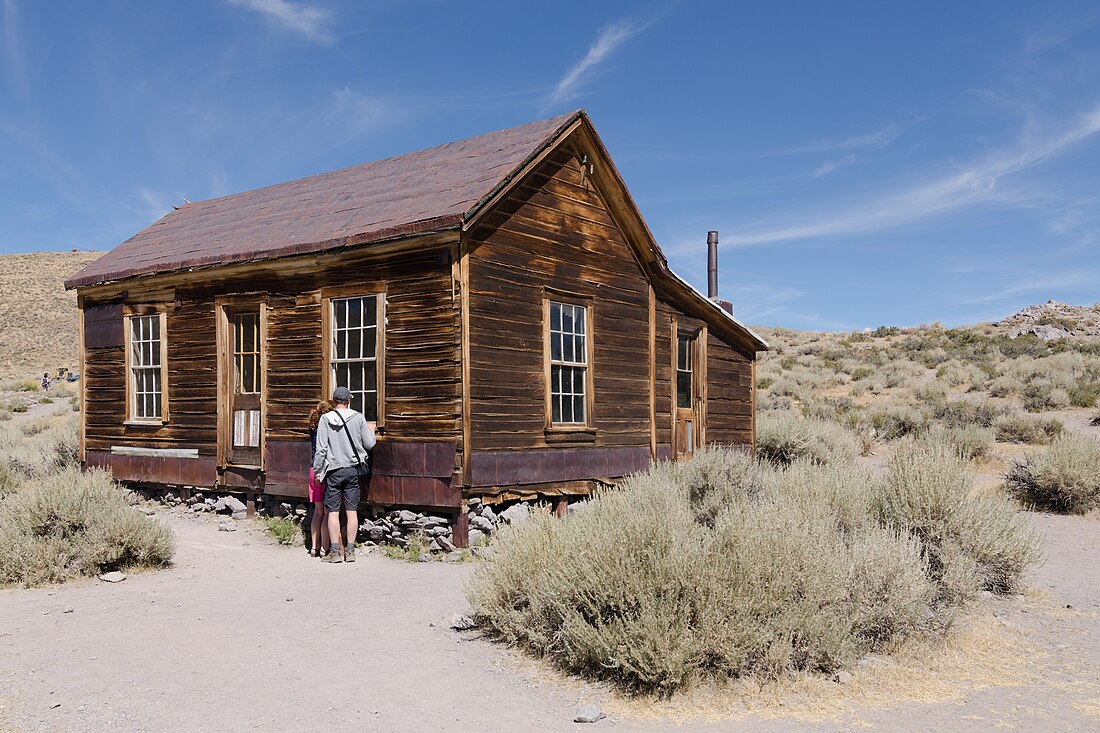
358,460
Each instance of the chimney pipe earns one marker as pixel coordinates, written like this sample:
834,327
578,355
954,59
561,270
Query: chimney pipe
712,264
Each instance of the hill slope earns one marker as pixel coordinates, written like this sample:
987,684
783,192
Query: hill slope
38,317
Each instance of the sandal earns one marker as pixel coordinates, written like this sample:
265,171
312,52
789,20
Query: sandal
314,553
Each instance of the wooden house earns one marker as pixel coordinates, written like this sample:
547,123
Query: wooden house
497,304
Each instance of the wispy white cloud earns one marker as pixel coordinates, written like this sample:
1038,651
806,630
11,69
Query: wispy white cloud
13,45
1046,285
312,21
966,186
760,301
606,43
831,165
877,139
152,206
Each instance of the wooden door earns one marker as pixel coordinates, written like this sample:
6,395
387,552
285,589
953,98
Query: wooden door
241,430
686,394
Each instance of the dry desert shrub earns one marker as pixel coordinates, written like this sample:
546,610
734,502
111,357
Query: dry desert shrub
38,448
971,543
1018,427
897,421
68,524
1064,478
972,442
782,438
724,566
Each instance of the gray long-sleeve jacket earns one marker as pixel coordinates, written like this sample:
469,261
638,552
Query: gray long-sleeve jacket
334,443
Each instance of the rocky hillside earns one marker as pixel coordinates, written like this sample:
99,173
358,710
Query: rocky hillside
1053,320
37,316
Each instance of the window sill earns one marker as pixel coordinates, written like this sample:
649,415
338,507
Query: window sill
146,423
570,434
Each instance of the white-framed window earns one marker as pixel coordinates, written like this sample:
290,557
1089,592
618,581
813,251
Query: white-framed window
569,375
353,350
146,361
685,368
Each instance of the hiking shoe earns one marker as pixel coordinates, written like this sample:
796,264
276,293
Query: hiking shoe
334,555
349,554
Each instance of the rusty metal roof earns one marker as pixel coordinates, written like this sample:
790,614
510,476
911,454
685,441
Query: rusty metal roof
419,192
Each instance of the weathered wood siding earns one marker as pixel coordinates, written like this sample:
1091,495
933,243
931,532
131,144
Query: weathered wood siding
554,232
422,369
729,395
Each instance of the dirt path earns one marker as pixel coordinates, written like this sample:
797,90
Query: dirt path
230,639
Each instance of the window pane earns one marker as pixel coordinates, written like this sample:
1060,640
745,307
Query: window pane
567,349
355,312
355,350
341,345
683,389
370,311
580,322
248,373
567,319
355,378
555,317
555,347
371,381
578,349
370,342
578,408
555,408
370,406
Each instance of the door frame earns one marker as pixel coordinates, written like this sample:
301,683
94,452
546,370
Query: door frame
698,411
225,307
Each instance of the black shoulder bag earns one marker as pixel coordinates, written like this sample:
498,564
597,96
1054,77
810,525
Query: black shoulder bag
362,466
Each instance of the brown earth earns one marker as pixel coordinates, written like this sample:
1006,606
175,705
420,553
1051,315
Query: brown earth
38,316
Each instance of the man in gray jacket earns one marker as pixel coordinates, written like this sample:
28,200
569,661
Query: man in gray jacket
343,438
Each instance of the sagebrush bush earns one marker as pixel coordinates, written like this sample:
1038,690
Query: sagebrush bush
897,421
971,543
1019,427
68,524
782,438
972,442
1064,478
725,566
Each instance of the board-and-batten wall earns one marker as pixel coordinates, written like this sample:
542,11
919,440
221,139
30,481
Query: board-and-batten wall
415,463
554,237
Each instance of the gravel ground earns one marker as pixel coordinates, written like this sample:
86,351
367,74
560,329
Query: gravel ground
242,634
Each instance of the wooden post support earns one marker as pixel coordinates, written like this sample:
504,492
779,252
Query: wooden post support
462,526
561,506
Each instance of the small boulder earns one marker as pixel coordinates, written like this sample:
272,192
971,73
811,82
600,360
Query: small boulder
226,526
115,576
487,513
233,504
842,677
462,622
482,524
425,557
589,714
445,544
407,517
476,537
516,514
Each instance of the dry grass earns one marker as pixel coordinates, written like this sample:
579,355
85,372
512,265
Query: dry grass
37,316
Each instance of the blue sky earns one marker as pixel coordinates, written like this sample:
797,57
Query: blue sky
864,163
